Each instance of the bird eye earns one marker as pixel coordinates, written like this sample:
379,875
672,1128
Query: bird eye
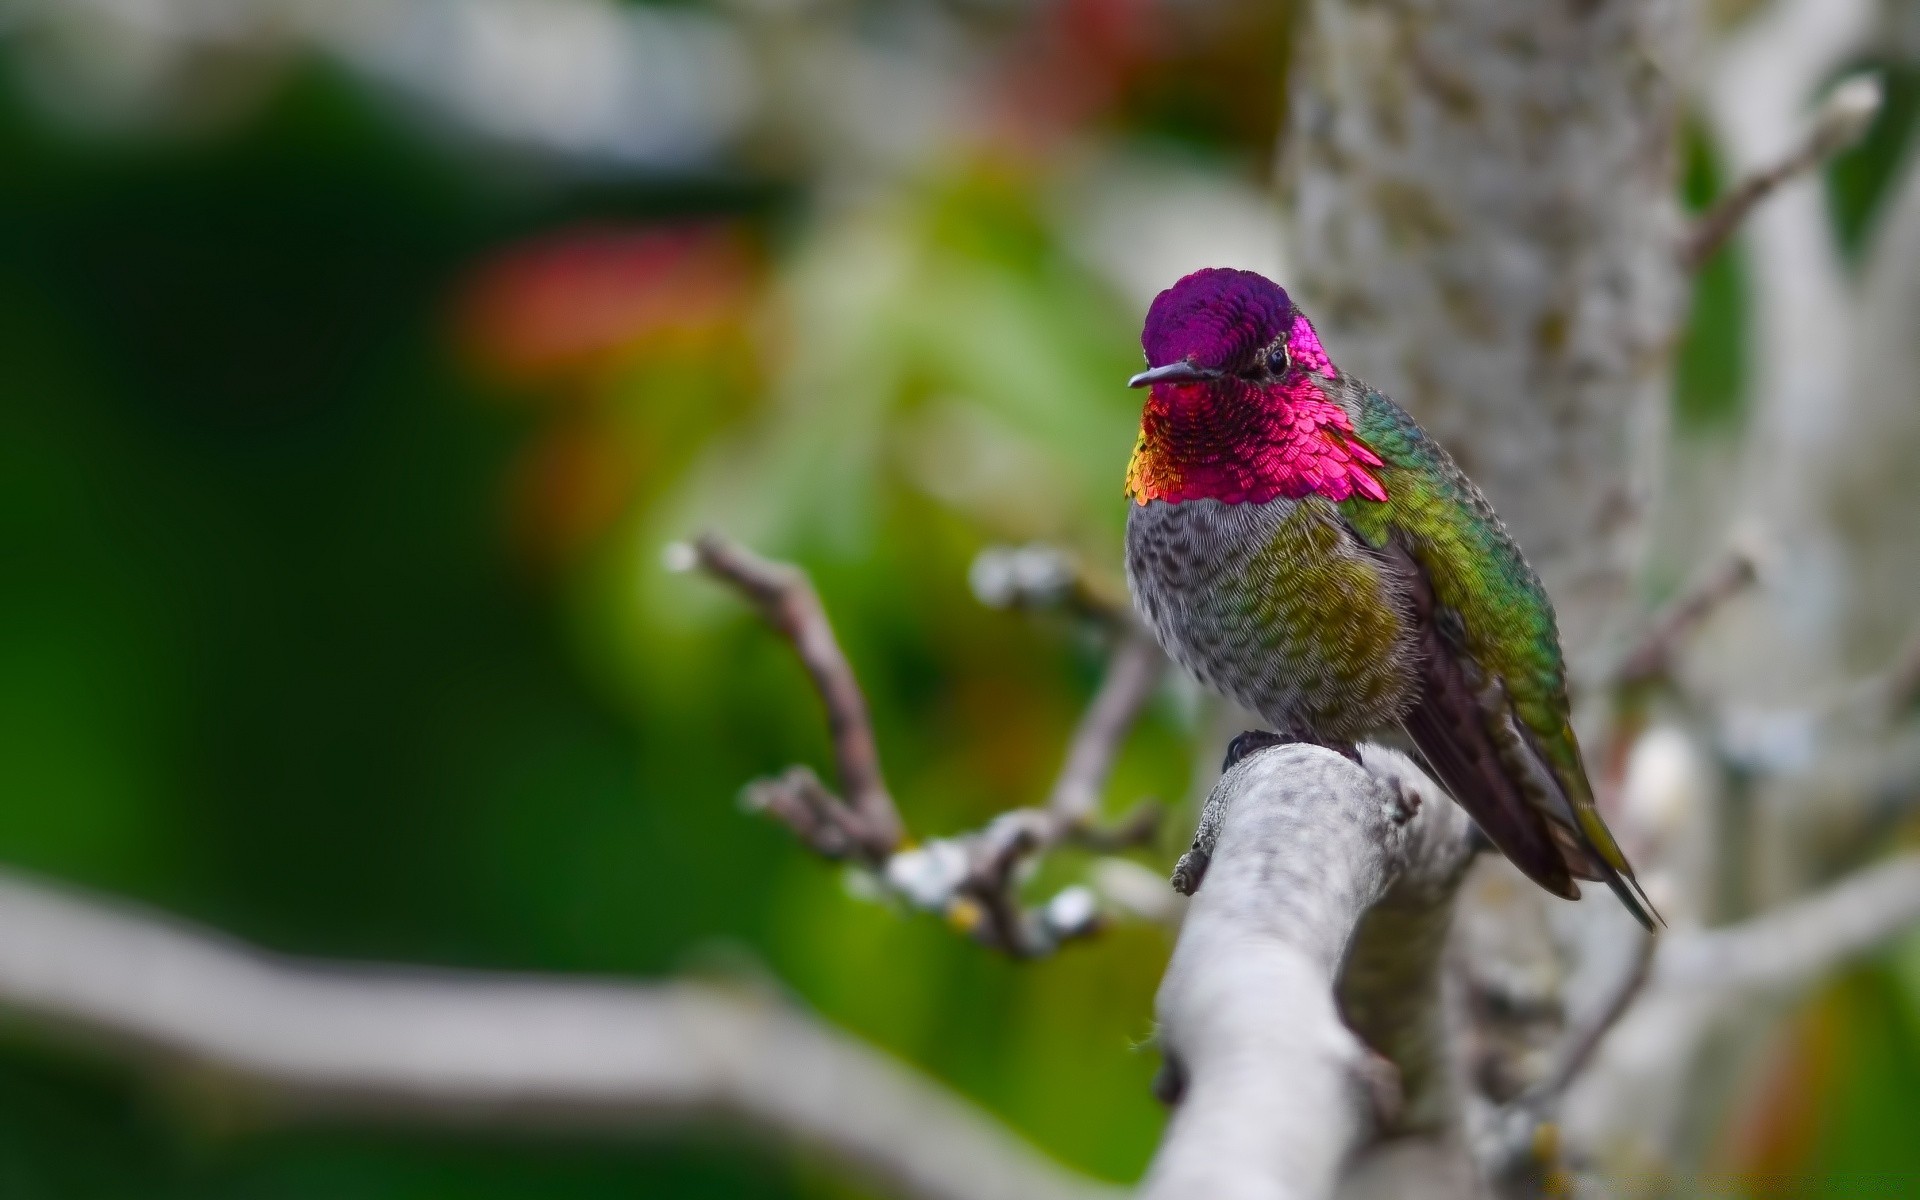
1279,359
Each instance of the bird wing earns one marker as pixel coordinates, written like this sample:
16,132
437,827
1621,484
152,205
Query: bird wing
1451,721
1490,710
1464,725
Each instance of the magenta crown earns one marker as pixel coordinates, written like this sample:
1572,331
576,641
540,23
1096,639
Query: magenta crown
1216,319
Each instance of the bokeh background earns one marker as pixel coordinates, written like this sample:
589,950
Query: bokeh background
359,360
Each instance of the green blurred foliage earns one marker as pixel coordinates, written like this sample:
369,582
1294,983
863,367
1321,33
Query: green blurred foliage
1858,180
271,658
1709,365
1864,1135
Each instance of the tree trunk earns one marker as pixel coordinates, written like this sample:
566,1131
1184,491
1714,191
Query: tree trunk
1483,226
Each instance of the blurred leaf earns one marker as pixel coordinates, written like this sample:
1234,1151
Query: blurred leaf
1859,180
1709,374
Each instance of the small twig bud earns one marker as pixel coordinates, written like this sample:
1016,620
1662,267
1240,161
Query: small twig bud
1030,576
1841,120
929,875
679,557
1074,912
1849,109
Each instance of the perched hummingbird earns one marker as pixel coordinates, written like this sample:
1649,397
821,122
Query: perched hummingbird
1299,543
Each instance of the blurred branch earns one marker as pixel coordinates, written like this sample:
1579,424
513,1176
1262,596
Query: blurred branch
1793,945
973,879
1039,576
498,1050
1651,656
579,79
1640,1087
1678,985
787,602
1130,680
1273,1092
1901,686
1839,123
1515,1152
1585,1040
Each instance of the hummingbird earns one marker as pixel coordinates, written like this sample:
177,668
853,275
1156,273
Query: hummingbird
1299,543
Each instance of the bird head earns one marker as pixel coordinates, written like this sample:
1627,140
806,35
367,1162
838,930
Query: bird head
1221,326
1242,407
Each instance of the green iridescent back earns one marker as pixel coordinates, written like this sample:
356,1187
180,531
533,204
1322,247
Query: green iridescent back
1475,569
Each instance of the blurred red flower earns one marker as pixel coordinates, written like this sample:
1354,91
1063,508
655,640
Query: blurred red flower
574,301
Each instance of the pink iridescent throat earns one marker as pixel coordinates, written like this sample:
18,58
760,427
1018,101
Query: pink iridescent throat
1233,441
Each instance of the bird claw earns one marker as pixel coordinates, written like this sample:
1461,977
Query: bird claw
1346,750
1254,740
1192,867
1170,1081
1244,744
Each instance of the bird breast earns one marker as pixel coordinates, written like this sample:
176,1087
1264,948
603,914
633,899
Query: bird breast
1277,606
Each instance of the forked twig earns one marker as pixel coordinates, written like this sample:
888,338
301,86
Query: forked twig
973,879
1132,675
785,597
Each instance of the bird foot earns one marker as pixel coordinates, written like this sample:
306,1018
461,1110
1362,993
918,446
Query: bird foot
1192,867
1254,740
1246,743
1170,1081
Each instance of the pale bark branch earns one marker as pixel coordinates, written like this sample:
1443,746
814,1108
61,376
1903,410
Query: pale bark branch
1275,1090
1677,986
1131,678
492,1050
1798,943
1901,684
1039,576
973,879
1516,1154
1637,1098
1839,123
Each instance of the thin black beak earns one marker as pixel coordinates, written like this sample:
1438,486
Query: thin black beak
1173,372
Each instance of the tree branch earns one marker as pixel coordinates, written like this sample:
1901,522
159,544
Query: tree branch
1130,680
1584,1041
1900,687
1039,576
1517,1157
787,601
467,1048
1678,984
1841,120
972,879
1798,943
1274,1090
1636,1095
1651,656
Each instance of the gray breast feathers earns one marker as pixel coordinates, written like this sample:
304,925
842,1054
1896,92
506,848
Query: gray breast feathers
1236,594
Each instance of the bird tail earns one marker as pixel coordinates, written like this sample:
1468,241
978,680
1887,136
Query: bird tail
1607,862
1465,730
1535,806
